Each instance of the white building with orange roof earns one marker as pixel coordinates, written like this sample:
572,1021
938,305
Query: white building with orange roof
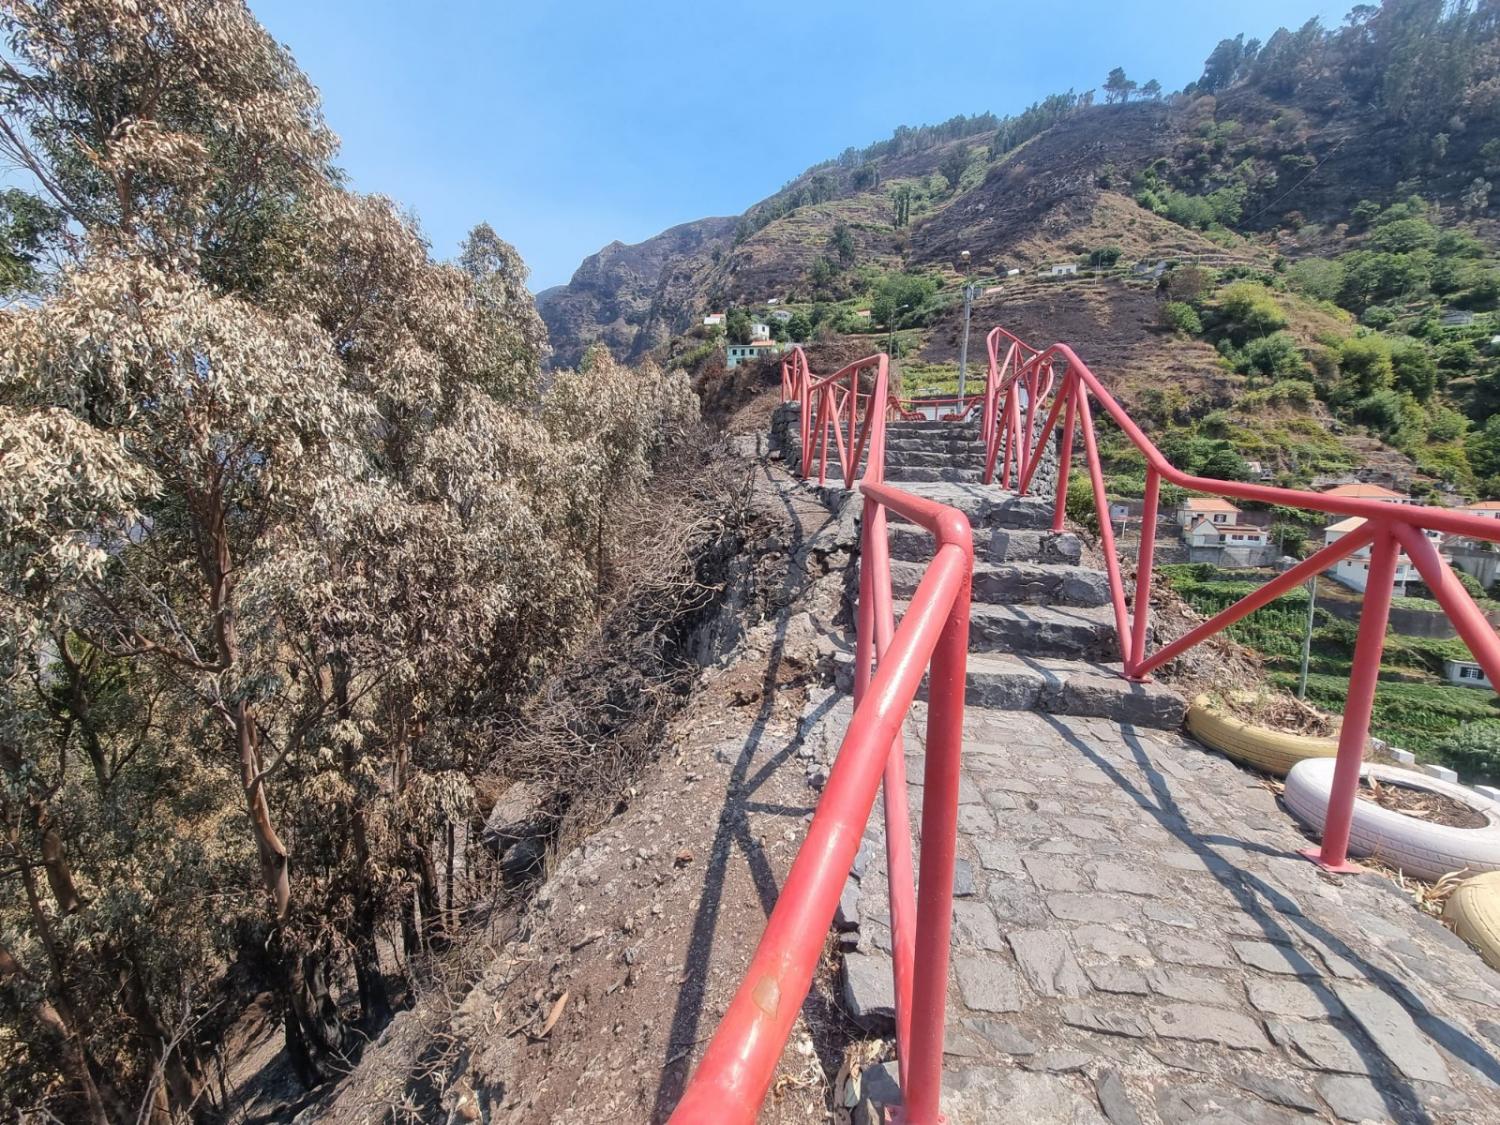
1214,509
1206,533
1489,509
1362,491
1354,569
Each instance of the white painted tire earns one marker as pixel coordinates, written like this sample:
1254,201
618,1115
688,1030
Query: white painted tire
1417,847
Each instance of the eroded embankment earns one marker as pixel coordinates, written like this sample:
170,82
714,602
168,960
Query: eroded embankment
670,823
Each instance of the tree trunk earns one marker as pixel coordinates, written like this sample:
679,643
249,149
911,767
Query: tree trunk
315,1033
182,1076
54,1013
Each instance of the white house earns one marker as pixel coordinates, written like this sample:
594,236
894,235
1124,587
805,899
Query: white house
1206,533
1059,269
1258,470
736,354
1354,570
1368,492
1212,508
774,301
1466,673
1486,509
759,331
714,318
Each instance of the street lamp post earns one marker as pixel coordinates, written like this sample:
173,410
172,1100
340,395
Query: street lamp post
963,347
890,341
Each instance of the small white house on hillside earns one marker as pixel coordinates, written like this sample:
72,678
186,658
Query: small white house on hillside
1206,533
1214,509
1354,570
1466,673
1368,492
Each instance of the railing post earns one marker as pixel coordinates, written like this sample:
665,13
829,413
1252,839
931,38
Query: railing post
804,423
1144,560
947,677
879,617
1368,647
825,409
1065,456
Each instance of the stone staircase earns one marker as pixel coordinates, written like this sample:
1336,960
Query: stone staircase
1042,633
1134,938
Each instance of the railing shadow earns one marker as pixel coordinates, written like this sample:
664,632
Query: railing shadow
733,836
1253,894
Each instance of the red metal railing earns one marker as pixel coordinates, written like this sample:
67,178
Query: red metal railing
1021,381
737,1068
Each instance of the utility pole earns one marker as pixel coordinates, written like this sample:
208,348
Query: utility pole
1312,604
1285,564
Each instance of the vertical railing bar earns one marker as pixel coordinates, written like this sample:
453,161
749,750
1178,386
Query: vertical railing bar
1369,645
899,877
1072,389
947,679
1106,528
1145,557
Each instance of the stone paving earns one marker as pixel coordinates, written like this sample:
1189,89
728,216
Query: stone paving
1135,940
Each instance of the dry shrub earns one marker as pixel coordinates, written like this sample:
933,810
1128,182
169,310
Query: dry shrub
585,735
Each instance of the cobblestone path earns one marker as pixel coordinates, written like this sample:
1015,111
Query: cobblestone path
1136,941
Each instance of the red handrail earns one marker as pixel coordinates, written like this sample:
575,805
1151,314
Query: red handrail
732,1080
1016,369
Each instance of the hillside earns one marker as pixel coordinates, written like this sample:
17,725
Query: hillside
617,293
1305,237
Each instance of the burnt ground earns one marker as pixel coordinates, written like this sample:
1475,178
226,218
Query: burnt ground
631,949
1116,328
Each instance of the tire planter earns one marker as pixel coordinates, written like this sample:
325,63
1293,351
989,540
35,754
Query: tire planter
1417,847
1262,749
1473,910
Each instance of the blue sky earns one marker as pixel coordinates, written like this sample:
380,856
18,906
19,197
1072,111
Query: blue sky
568,125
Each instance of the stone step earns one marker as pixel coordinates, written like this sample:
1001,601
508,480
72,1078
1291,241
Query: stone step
928,426
932,441
1017,583
1085,689
1029,545
928,458
1060,632
987,506
1004,545
918,474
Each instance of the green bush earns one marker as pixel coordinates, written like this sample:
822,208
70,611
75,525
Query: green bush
1182,317
1250,310
1474,750
1275,356
1104,257
1320,278
1365,365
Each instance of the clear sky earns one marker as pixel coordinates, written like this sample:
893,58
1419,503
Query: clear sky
569,125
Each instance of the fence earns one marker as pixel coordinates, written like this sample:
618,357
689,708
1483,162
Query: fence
1021,374
932,639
